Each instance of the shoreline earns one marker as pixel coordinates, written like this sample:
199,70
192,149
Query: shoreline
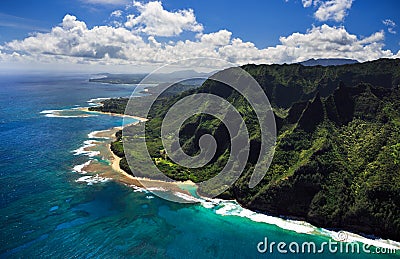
108,135
159,185
103,149
115,166
86,109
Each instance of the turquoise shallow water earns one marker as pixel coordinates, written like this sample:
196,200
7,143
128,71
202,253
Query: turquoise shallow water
46,213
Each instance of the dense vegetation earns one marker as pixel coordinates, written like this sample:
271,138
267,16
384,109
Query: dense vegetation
337,159
113,105
119,79
328,62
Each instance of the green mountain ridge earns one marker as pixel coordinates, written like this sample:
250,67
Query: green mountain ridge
335,172
328,62
337,158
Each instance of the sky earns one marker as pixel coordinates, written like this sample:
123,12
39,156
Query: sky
122,35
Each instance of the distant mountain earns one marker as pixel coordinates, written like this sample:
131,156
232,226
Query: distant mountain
118,78
328,62
189,76
184,74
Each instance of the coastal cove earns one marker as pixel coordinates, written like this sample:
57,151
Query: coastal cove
218,206
88,209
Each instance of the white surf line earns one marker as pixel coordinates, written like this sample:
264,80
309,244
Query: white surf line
233,208
94,133
58,113
92,179
79,168
82,151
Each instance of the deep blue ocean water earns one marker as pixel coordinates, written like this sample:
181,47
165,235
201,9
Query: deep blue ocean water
45,213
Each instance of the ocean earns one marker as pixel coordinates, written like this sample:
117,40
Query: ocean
46,212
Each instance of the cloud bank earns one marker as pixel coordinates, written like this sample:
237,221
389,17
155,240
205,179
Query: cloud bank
136,43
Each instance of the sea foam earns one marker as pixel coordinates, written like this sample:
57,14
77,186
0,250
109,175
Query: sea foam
90,180
232,208
95,101
82,151
79,168
59,113
94,133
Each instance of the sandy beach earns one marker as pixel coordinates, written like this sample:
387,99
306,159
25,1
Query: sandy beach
102,147
86,109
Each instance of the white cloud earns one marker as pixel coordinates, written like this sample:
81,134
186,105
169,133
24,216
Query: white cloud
397,55
219,38
391,30
389,22
390,25
116,13
376,37
155,20
72,42
335,10
73,39
116,18
306,3
326,41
